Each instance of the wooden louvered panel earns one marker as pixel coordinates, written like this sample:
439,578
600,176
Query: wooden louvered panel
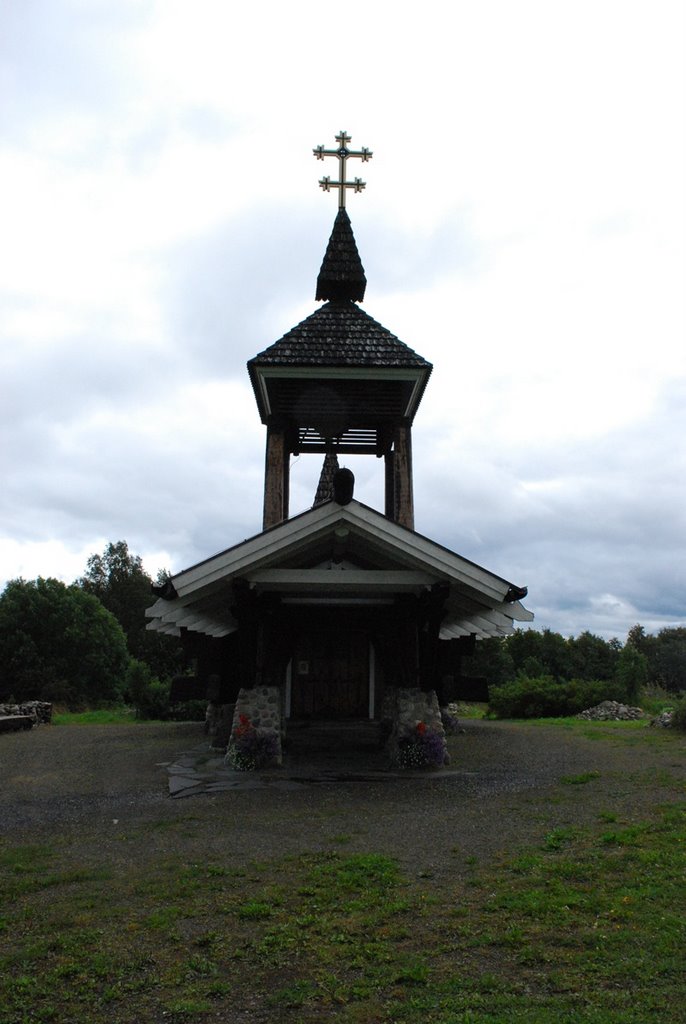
356,402
350,442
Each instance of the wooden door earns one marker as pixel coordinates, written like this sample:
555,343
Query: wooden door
330,674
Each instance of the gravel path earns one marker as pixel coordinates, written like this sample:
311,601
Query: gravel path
89,787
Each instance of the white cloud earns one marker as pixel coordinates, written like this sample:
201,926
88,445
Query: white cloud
523,228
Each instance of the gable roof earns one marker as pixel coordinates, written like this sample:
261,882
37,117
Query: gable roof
339,554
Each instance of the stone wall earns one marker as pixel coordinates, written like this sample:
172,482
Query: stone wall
417,737
255,740
39,711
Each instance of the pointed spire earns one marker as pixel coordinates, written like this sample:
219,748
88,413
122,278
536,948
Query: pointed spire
342,274
325,485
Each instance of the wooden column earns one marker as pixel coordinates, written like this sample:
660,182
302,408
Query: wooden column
276,473
389,490
403,500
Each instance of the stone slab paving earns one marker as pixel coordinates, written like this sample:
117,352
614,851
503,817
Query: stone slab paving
200,771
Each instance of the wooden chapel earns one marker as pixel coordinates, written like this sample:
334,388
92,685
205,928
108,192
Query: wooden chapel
338,605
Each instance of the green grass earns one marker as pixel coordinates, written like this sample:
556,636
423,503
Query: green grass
586,926
103,716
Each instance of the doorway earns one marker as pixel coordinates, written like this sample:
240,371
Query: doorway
330,673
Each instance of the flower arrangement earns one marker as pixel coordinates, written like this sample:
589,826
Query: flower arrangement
421,748
251,748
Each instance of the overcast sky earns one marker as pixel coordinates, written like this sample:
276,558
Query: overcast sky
523,228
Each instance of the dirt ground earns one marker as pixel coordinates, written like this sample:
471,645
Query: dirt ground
506,787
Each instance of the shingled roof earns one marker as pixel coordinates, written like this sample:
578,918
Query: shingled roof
340,334
342,274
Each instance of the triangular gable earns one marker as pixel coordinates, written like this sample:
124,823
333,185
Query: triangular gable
339,554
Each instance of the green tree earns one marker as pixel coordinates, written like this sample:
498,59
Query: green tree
636,637
490,660
592,657
667,658
59,643
541,653
632,671
117,578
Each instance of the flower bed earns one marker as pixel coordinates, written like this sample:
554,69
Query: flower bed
251,748
421,749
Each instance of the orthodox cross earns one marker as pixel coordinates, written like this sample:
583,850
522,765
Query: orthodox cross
343,154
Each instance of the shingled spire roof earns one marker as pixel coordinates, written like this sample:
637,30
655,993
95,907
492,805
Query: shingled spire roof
342,274
339,334
325,485
339,364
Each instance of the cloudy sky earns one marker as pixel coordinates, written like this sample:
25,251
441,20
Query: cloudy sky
523,228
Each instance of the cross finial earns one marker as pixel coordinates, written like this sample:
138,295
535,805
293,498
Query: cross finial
343,154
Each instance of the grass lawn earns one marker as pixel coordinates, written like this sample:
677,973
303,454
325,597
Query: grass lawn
101,716
586,927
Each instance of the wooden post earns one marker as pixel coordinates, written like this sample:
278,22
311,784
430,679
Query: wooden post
403,500
276,473
389,490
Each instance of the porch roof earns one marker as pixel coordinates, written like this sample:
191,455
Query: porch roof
339,555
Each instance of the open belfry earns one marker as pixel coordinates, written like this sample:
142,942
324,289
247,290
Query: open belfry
339,383
342,612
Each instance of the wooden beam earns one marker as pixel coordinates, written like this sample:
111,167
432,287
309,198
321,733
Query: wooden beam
276,478
341,580
389,492
403,499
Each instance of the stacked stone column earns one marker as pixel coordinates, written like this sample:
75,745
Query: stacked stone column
255,740
417,737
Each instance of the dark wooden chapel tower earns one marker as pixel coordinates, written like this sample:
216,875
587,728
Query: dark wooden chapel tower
339,383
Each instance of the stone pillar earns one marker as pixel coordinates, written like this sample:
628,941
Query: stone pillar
255,740
417,738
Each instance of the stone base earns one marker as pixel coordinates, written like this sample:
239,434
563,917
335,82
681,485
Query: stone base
255,740
417,737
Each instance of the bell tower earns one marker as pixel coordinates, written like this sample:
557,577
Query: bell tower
339,383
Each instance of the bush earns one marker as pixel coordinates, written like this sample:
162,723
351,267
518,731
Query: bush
149,696
542,697
654,699
679,715
188,711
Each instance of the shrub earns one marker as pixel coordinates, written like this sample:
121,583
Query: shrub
679,715
654,699
542,697
149,696
188,711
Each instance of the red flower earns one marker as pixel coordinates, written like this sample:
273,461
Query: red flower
244,725
421,728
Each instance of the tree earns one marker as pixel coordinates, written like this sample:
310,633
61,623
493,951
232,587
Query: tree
545,653
592,657
117,578
490,660
636,637
632,671
667,658
59,643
